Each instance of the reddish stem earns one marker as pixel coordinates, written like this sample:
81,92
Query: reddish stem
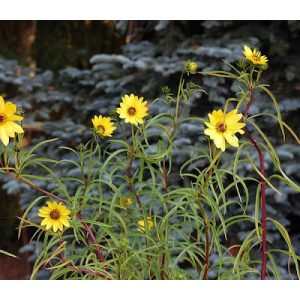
263,206
37,188
263,189
248,106
88,229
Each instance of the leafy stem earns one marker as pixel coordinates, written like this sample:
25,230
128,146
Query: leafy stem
59,199
207,175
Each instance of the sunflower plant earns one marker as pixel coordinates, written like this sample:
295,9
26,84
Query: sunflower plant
134,214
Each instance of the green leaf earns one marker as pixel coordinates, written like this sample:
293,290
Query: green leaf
7,253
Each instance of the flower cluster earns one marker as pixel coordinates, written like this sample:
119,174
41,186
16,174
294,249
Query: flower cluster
129,188
132,109
222,128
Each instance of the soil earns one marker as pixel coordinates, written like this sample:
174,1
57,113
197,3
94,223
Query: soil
14,268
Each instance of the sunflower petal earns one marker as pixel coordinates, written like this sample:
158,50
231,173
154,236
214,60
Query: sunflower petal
4,136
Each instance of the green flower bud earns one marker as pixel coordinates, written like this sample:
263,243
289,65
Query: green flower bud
191,67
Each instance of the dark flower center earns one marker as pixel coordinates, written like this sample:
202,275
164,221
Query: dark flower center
55,214
221,127
131,111
2,118
101,129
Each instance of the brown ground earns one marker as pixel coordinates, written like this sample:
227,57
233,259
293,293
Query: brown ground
14,268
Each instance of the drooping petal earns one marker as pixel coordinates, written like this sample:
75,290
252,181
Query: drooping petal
219,141
9,130
231,139
4,136
15,127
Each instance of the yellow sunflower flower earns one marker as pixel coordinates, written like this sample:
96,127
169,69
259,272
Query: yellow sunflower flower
8,127
255,56
125,202
223,127
133,109
103,126
141,225
55,215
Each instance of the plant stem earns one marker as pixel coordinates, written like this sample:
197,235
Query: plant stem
166,179
207,251
248,105
205,224
88,229
163,262
207,240
79,269
263,187
130,181
37,188
263,205
166,187
207,175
